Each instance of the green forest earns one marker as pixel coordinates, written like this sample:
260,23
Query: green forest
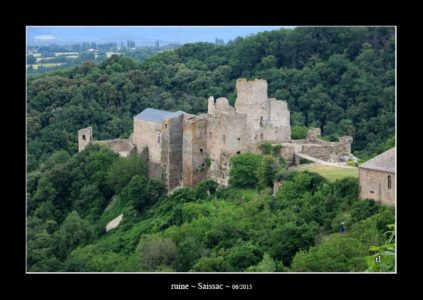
341,80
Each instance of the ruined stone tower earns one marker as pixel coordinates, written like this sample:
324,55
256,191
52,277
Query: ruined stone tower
85,136
267,119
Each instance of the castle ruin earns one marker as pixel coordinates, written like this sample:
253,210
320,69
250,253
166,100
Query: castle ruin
183,149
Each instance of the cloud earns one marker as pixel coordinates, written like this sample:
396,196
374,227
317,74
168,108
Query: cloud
44,37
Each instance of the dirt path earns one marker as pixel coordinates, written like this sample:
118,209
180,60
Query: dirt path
322,162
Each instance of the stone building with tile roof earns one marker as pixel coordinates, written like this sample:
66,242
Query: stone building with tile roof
377,178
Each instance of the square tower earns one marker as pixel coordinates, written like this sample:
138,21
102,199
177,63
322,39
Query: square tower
85,135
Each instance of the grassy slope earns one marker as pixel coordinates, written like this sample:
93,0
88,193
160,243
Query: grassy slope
329,172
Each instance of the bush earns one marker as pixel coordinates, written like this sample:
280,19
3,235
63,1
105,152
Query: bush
347,188
210,264
206,188
266,265
73,232
266,148
299,183
352,163
123,169
366,232
243,172
156,252
142,193
337,253
362,209
188,252
267,171
183,195
288,238
299,132
276,150
242,256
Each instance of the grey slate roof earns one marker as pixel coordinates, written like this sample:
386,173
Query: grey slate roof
157,116
383,162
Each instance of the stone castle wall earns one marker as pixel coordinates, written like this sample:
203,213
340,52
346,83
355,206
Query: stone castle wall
329,151
187,149
124,147
227,135
288,153
194,154
374,185
172,151
146,135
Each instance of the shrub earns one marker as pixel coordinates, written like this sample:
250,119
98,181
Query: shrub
337,253
352,163
189,251
266,148
156,252
243,172
362,209
299,132
267,171
266,265
209,264
242,256
276,150
206,188
288,238
123,169
183,195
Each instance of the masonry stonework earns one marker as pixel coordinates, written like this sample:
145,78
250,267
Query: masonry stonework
172,147
194,149
377,185
84,137
183,149
148,135
124,147
377,178
267,119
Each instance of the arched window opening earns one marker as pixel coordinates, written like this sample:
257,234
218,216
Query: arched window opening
389,182
261,121
83,137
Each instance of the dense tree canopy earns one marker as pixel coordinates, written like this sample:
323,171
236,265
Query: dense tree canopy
339,79
206,228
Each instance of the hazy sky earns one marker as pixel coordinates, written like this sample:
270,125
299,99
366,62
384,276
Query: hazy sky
142,35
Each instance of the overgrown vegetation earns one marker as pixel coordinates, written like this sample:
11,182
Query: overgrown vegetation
344,85
238,228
